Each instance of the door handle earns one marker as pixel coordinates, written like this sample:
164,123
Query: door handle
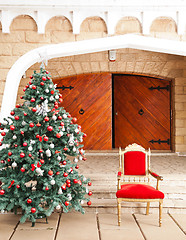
141,112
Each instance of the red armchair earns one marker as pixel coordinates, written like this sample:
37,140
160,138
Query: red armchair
134,179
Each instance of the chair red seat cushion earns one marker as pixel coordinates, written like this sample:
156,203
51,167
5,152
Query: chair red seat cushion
139,191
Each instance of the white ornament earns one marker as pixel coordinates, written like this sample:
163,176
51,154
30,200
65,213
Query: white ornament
23,123
60,191
57,97
48,153
58,158
76,130
39,171
55,85
69,196
51,145
82,202
87,191
52,182
54,117
47,90
75,160
64,115
5,122
80,158
63,128
14,137
2,211
58,207
43,109
74,149
32,141
61,133
31,86
37,91
30,148
51,98
51,86
14,164
84,179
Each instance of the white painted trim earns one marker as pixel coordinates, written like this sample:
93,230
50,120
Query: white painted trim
77,48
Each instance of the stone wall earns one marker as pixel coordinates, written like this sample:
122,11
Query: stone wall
23,37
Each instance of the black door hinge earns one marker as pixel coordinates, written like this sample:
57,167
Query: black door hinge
160,141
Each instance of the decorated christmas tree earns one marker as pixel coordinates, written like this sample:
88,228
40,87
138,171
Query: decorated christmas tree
39,155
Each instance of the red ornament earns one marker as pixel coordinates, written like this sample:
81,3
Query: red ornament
57,173
68,185
22,132
38,125
89,183
42,98
69,116
15,145
31,125
77,166
33,210
22,155
65,148
84,158
68,134
42,83
45,138
34,109
65,174
22,169
34,87
2,192
46,119
1,143
12,127
2,161
25,144
3,134
62,124
12,113
66,203
47,188
21,97
50,172
44,78
29,200
48,77
74,119
60,100
84,135
40,150
31,77
16,117
37,136
52,92
58,135
59,117
30,155
68,181
9,153
47,73
64,162
75,181
63,186
32,100
18,106
18,186
90,193
25,114
49,128
89,203
42,161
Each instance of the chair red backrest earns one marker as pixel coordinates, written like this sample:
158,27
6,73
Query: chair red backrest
134,163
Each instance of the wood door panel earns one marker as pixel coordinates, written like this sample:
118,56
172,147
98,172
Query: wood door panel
132,93
92,93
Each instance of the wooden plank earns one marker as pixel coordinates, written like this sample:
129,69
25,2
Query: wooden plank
78,226
110,230
8,223
180,219
93,94
131,93
150,227
41,231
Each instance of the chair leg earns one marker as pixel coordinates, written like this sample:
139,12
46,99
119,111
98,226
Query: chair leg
147,209
160,213
119,211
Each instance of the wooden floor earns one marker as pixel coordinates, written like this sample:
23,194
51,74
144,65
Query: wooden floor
94,226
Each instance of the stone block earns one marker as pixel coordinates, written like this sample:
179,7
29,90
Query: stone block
180,98
5,49
180,81
179,106
158,67
6,62
139,66
90,35
130,57
179,90
130,66
86,67
121,66
99,57
179,140
95,67
180,132
34,37
77,67
13,37
128,25
60,37
175,73
93,24
104,66
82,58
149,67
58,24
69,68
21,48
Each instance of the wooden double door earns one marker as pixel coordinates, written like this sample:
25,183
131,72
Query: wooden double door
116,110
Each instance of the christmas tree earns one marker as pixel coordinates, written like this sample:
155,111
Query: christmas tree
37,173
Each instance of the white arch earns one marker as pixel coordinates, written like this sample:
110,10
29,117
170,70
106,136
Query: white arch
77,48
